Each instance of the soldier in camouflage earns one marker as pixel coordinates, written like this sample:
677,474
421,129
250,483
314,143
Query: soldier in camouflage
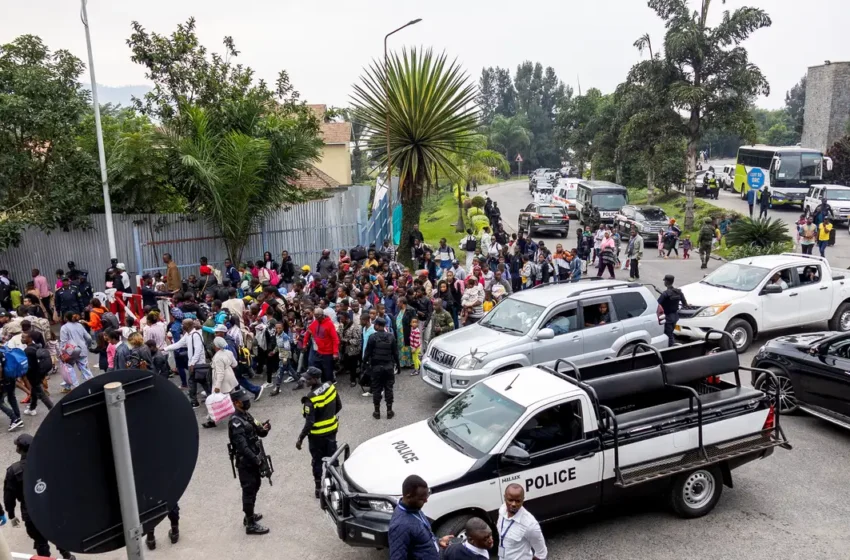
441,319
706,236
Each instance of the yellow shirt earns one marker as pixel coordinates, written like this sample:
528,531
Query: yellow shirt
487,305
823,232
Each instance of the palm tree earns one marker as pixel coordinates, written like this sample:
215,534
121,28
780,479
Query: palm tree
509,134
429,103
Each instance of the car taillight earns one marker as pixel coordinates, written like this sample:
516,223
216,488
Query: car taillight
659,312
770,421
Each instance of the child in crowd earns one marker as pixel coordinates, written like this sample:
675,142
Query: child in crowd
488,301
686,246
114,341
285,373
159,360
415,344
660,243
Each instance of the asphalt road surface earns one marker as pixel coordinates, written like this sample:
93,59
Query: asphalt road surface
793,505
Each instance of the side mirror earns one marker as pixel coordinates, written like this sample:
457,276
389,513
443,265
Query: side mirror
777,163
514,454
545,334
772,289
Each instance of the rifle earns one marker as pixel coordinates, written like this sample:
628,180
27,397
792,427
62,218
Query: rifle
266,466
232,454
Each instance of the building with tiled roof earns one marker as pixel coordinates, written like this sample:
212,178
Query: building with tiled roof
335,161
316,179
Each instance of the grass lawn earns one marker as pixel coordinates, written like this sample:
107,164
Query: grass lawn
439,215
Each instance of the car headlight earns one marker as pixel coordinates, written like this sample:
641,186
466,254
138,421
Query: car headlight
381,505
712,310
469,361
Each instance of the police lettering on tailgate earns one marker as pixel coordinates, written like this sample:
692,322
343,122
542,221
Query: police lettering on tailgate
404,450
550,479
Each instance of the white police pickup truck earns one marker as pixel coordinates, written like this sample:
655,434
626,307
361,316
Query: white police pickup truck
646,423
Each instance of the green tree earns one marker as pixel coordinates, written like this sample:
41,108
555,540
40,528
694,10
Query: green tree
44,179
538,92
487,98
716,82
578,122
509,135
795,106
429,102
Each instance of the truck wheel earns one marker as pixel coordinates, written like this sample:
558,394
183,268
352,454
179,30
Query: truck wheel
626,350
841,320
456,525
694,494
742,334
787,396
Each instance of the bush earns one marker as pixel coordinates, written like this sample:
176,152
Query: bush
478,201
474,212
480,222
745,251
716,213
758,233
467,203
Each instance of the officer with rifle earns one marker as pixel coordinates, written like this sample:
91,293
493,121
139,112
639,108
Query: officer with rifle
321,406
248,457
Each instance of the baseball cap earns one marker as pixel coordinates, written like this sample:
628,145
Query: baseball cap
306,268
669,278
240,394
312,373
120,266
220,328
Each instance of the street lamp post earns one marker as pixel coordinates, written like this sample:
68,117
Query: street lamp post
389,149
107,203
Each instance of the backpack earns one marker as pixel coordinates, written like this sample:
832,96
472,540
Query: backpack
109,320
274,278
45,361
358,253
135,360
471,242
70,353
15,363
223,317
217,273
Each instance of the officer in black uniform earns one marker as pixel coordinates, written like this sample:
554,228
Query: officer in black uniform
380,356
670,301
244,433
13,493
321,424
68,298
109,275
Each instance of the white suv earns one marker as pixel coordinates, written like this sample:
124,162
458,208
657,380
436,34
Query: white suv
584,321
837,196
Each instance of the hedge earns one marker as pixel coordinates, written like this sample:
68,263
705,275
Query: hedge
480,222
478,201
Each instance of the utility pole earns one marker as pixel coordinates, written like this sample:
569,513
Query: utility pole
389,148
107,203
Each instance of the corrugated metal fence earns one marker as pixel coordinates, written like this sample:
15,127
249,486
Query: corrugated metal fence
338,222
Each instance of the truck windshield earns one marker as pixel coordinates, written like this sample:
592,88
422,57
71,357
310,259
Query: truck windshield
476,420
811,167
609,201
653,215
733,276
512,316
837,194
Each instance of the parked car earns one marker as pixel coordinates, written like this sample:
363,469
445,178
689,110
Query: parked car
750,296
546,323
811,374
630,429
647,220
837,196
726,177
536,176
539,217
566,192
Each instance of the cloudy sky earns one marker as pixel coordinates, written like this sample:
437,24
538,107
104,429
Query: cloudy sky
325,44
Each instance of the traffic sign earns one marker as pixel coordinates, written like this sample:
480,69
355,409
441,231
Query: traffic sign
518,158
71,483
755,178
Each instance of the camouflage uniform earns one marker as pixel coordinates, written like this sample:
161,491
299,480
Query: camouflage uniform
706,236
443,321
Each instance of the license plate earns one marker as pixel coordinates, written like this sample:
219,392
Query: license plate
552,222
434,375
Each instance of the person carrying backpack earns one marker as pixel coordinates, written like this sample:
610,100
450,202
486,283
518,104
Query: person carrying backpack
40,365
8,386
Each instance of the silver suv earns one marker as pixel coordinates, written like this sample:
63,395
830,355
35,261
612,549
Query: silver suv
584,322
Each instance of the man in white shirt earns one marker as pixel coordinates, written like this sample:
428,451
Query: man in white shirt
520,537
193,342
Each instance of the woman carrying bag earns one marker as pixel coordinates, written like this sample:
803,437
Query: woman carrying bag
223,382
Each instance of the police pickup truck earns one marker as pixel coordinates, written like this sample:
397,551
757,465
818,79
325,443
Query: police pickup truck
575,438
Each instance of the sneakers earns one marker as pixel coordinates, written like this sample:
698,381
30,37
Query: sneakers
16,423
30,412
259,393
289,379
196,404
254,528
366,394
208,424
254,519
414,373
275,391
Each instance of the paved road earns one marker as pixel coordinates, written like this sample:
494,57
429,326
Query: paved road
793,505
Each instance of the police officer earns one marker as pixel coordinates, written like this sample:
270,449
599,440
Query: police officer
321,424
381,357
706,237
68,298
670,301
13,493
244,433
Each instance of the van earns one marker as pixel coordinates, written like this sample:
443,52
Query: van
599,201
565,194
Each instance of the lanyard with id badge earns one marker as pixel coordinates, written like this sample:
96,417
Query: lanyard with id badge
503,532
418,515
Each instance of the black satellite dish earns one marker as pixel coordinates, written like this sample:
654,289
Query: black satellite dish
70,483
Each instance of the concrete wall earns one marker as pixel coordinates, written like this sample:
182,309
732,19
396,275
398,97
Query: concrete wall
827,109
336,162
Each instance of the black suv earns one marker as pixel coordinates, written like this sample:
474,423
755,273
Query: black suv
544,217
647,220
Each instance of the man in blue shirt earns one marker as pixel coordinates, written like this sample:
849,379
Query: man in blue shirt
410,534
751,200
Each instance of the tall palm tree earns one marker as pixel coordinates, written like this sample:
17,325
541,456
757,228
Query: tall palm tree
432,114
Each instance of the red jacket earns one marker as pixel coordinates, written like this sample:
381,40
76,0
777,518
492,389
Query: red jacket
327,340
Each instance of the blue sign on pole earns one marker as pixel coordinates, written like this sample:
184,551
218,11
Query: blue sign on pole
755,178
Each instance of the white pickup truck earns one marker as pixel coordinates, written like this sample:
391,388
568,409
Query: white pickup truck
657,422
758,294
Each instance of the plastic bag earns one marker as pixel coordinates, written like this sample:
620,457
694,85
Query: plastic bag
219,406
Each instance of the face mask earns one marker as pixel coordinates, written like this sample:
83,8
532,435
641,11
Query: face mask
246,405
